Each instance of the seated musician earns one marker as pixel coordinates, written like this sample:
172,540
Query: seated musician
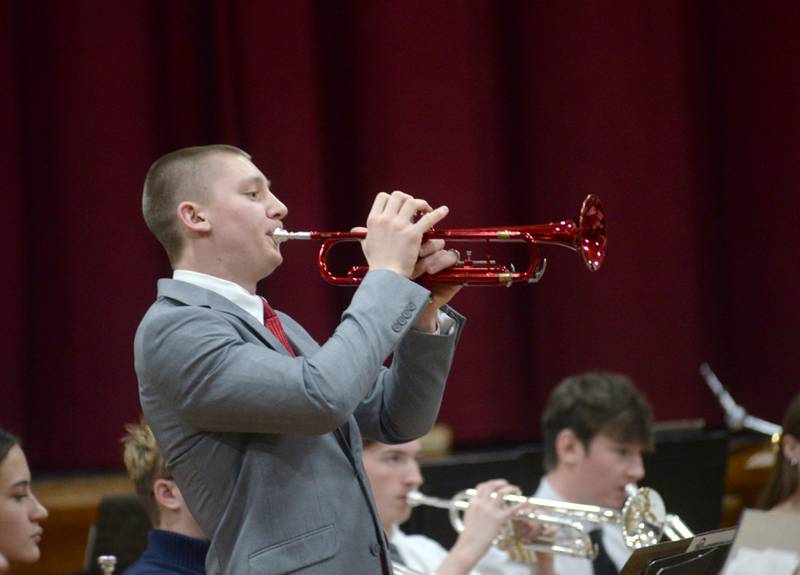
393,472
595,427
782,492
20,511
176,544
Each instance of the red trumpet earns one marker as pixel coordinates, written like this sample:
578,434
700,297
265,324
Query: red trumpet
587,237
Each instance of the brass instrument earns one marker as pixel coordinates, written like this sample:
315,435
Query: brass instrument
578,545
107,563
588,237
643,520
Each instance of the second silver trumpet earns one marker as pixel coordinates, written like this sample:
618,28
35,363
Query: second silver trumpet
643,520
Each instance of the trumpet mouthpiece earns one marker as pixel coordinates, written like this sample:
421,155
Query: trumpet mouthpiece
414,498
280,235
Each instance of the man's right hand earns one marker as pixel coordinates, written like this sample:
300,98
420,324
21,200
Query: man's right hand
484,519
395,226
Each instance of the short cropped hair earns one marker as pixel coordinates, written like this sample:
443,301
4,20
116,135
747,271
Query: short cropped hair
145,465
593,402
176,177
7,441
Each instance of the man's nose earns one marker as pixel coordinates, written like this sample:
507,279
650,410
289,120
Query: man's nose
414,476
277,210
636,470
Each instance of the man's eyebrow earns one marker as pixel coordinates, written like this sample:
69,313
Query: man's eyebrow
258,180
22,482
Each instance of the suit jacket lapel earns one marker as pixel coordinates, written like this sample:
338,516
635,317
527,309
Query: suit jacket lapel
190,294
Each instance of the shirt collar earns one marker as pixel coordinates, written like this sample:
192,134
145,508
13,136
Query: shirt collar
251,303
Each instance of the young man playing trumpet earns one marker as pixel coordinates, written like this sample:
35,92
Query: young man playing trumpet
596,425
259,424
394,472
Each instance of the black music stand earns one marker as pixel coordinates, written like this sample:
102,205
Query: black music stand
703,554
707,561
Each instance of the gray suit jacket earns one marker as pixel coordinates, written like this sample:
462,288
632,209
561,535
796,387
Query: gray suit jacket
266,448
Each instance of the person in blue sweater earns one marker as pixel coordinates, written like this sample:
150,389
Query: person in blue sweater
176,544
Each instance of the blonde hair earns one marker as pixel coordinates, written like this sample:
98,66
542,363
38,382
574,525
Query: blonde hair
173,178
145,464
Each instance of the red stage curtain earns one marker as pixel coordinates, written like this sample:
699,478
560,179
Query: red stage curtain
682,116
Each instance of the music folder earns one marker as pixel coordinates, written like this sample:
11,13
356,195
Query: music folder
702,554
767,543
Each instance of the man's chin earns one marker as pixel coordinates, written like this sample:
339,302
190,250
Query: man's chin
403,515
271,263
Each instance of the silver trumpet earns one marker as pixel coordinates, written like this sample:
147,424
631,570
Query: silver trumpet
643,520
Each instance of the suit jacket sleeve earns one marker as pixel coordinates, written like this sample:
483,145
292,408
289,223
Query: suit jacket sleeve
405,402
196,359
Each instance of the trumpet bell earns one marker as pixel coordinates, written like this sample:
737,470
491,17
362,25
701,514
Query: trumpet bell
643,518
593,236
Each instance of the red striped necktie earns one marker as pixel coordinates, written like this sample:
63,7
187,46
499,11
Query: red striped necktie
273,324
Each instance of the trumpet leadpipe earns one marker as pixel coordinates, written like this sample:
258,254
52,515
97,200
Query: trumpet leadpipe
415,499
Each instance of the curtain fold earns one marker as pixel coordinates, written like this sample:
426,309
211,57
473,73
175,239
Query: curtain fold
681,116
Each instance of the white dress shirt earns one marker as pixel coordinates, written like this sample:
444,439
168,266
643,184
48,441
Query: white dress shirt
251,303
425,555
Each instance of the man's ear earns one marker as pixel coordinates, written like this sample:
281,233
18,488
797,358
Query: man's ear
569,448
166,493
193,217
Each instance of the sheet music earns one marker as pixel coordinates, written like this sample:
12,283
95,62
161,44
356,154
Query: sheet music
766,543
763,562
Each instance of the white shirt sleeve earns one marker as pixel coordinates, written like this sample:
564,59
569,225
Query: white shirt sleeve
425,555
418,552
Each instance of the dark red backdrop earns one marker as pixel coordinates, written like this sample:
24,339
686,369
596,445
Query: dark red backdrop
681,116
